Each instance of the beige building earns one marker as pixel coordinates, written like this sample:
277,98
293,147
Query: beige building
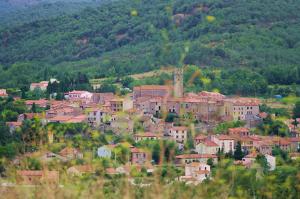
152,91
42,85
178,133
207,147
239,131
240,108
121,104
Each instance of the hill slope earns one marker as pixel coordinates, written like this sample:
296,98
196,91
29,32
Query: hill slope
17,12
134,36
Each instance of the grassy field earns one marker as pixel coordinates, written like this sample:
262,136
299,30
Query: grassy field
290,100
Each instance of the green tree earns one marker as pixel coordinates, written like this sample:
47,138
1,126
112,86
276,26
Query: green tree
238,153
156,153
34,164
296,110
210,162
33,108
261,159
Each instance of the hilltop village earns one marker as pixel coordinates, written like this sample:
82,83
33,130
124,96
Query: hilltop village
161,114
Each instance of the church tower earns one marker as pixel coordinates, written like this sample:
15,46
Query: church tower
178,82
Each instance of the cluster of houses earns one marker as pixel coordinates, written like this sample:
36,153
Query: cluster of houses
43,85
146,105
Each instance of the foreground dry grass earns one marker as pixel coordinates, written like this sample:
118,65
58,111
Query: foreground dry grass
100,187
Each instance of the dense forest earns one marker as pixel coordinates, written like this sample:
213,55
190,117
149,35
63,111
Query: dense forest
126,37
15,12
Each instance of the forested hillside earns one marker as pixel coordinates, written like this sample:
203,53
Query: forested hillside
17,12
128,36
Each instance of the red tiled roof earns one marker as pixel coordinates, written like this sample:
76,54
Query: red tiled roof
211,94
263,115
40,84
77,119
195,156
37,102
14,123
238,130
295,139
210,143
192,100
244,101
246,138
30,173
136,150
110,171
179,128
224,137
61,118
284,142
200,137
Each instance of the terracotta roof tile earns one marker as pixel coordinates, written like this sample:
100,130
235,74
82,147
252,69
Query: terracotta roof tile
195,156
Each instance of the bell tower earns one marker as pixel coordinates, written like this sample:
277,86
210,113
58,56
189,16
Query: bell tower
178,82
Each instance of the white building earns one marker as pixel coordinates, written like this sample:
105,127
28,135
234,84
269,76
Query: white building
225,142
195,173
271,162
78,95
